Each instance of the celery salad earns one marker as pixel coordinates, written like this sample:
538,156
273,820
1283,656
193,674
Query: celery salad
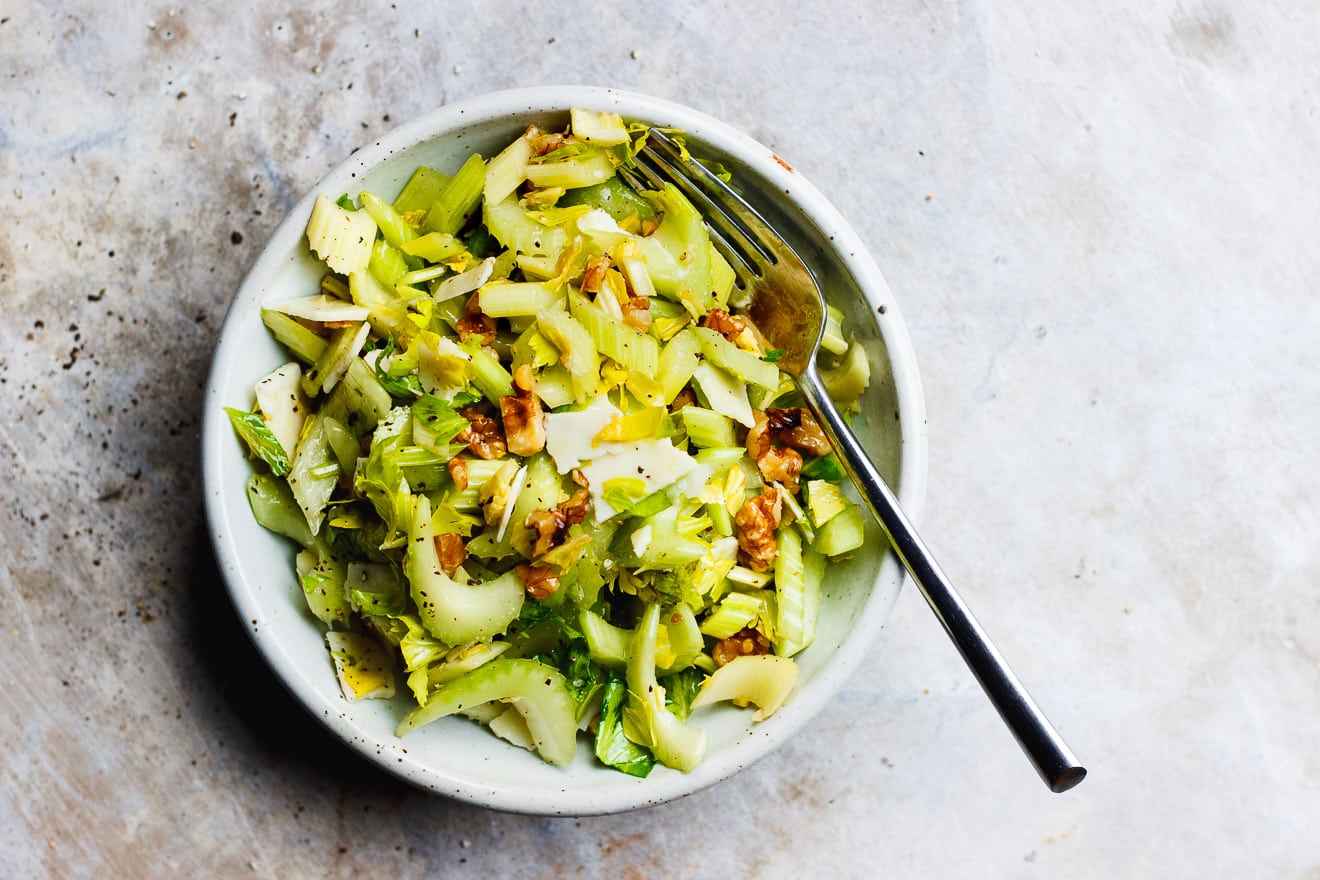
539,469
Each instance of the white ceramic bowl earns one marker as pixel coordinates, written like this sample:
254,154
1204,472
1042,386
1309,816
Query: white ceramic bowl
456,757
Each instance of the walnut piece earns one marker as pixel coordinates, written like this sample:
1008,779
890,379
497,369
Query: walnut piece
483,435
728,326
551,526
475,322
757,520
524,420
451,552
746,642
540,581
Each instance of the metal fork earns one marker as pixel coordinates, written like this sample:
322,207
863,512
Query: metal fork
787,307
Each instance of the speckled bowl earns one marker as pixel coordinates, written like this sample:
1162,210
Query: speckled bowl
458,758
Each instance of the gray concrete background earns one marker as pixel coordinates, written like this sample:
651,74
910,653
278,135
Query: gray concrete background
1100,224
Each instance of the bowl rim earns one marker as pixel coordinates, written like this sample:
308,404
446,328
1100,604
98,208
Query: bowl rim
861,636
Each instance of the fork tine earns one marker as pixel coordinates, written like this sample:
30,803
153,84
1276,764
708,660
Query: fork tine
739,222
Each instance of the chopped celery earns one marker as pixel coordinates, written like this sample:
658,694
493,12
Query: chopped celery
831,339
614,197
421,190
507,171
322,579
586,169
301,342
826,467
433,247
678,254
707,428
765,680
388,265
603,129
491,379
505,299
311,485
274,508
608,644
736,612
614,339
844,533
824,501
434,422
790,593
330,367
723,393
538,692
455,611
647,720
521,231
393,229
678,362
359,400
458,197
846,381
742,364
576,351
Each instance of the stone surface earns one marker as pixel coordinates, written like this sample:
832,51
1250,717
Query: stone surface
1100,225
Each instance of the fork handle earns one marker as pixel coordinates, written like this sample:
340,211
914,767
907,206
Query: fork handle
1054,761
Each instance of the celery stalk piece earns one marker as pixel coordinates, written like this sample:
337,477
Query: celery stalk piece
364,668
458,197
646,719
393,229
385,311
489,375
359,401
319,307
538,692
722,277
707,428
507,171
735,612
831,339
311,483
614,339
723,393
612,196
340,237
846,381
824,501
506,299
554,385
678,362
434,423
765,680
683,635
302,343
343,443
330,367
576,351
588,168
844,533
322,578
608,644
791,593
260,439
538,489
604,129
720,460
678,253
455,611
743,364
434,247
274,508
283,406
421,190
520,231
